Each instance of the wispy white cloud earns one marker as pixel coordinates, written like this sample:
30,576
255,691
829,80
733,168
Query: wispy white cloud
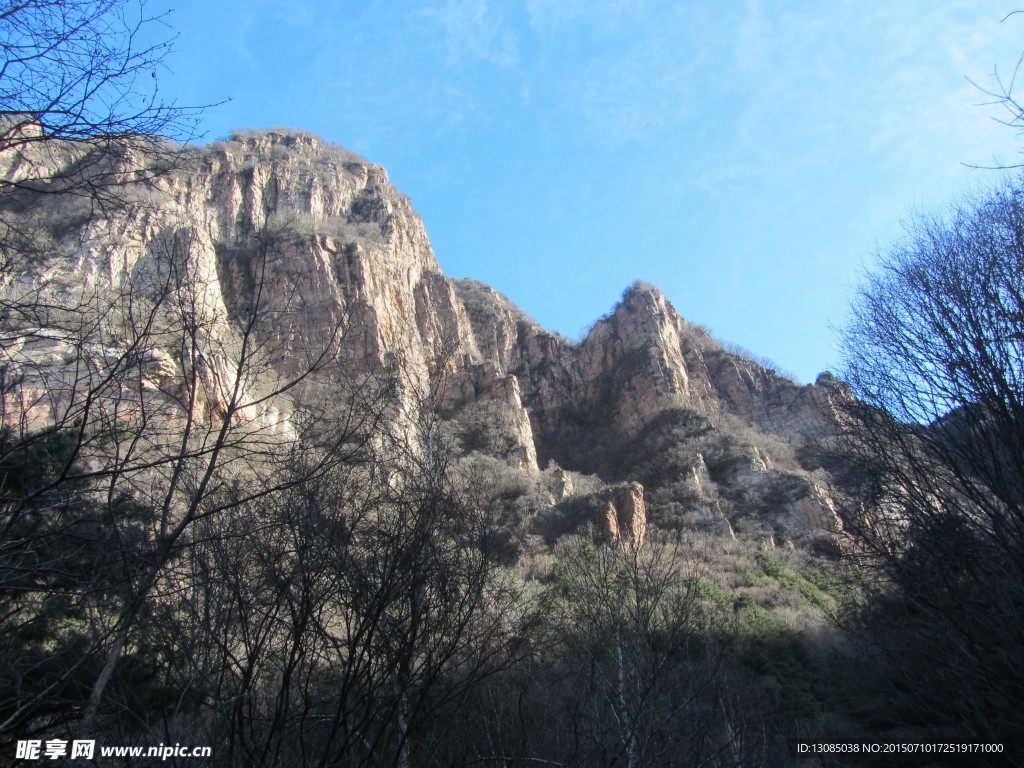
474,30
549,15
627,73
870,82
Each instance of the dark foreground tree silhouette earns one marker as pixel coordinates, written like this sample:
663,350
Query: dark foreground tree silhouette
81,121
108,466
935,351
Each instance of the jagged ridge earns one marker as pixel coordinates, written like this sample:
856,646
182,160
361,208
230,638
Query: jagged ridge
322,233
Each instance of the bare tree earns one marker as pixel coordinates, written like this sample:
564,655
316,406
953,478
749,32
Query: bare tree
80,107
935,351
333,620
150,410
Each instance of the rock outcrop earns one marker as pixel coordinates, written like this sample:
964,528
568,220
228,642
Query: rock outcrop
626,515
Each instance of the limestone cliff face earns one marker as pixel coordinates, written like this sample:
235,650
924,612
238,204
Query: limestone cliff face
307,253
304,250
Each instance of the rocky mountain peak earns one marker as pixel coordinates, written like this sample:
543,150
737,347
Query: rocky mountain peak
312,245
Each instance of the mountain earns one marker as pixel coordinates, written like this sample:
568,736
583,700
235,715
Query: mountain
301,258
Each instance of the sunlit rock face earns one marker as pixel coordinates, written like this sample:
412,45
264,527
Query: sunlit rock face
306,253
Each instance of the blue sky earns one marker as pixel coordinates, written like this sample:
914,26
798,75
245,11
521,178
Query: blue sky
748,158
